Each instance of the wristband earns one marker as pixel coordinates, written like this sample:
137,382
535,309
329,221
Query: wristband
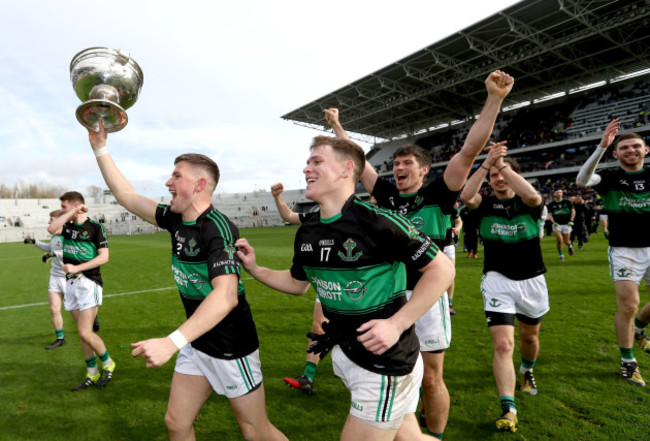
484,167
503,167
101,152
178,338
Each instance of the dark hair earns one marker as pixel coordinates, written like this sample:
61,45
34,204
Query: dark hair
422,156
72,196
514,165
625,136
203,162
345,149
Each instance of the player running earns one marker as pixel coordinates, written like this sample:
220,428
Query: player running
625,191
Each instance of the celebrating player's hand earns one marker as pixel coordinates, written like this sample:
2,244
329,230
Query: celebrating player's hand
246,253
155,351
332,116
97,138
496,150
378,335
69,268
499,83
610,133
277,189
29,240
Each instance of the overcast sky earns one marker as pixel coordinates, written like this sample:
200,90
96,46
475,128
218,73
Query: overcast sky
218,75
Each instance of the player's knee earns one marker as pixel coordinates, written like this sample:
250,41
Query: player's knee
176,425
252,433
629,308
504,346
86,335
432,381
529,339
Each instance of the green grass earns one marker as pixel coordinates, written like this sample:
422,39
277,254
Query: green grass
582,396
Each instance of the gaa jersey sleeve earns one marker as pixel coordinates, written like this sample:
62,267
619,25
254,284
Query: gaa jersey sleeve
221,235
101,238
385,193
401,240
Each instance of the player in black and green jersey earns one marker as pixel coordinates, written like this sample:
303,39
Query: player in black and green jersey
223,355
354,255
562,213
85,249
625,191
428,207
513,284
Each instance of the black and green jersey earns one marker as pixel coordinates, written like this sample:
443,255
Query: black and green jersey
202,250
561,211
626,200
510,233
428,209
81,243
355,261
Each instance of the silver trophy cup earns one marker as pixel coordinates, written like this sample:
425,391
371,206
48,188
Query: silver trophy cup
108,81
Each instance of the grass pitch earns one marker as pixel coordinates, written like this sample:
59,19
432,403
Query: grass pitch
582,395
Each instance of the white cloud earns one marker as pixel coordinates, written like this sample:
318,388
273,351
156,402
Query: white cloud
217,77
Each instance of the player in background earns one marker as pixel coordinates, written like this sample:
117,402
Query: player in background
352,254
219,348
625,191
428,207
562,213
56,287
512,286
85,250
304,382
470,232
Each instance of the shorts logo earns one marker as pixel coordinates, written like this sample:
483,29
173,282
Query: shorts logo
494,303
231,387
356,406
349,246
355,290
192,252
623,273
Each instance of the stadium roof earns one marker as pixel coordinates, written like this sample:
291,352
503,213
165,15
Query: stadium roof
549,46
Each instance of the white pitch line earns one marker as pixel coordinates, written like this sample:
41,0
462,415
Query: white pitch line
2,308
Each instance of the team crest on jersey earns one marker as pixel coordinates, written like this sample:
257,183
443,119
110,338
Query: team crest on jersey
192,251
231,249
84,235
414,234
355,290
417,201
349,246
418,223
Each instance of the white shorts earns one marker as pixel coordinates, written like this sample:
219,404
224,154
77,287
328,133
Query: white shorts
57,284
379,400
527,297
82,293
564,229
603,217
232,378
450,251
631,264
434,327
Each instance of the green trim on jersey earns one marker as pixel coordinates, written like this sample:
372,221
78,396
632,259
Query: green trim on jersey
228,242
191,278
626,202
519,228
357,291
329,220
